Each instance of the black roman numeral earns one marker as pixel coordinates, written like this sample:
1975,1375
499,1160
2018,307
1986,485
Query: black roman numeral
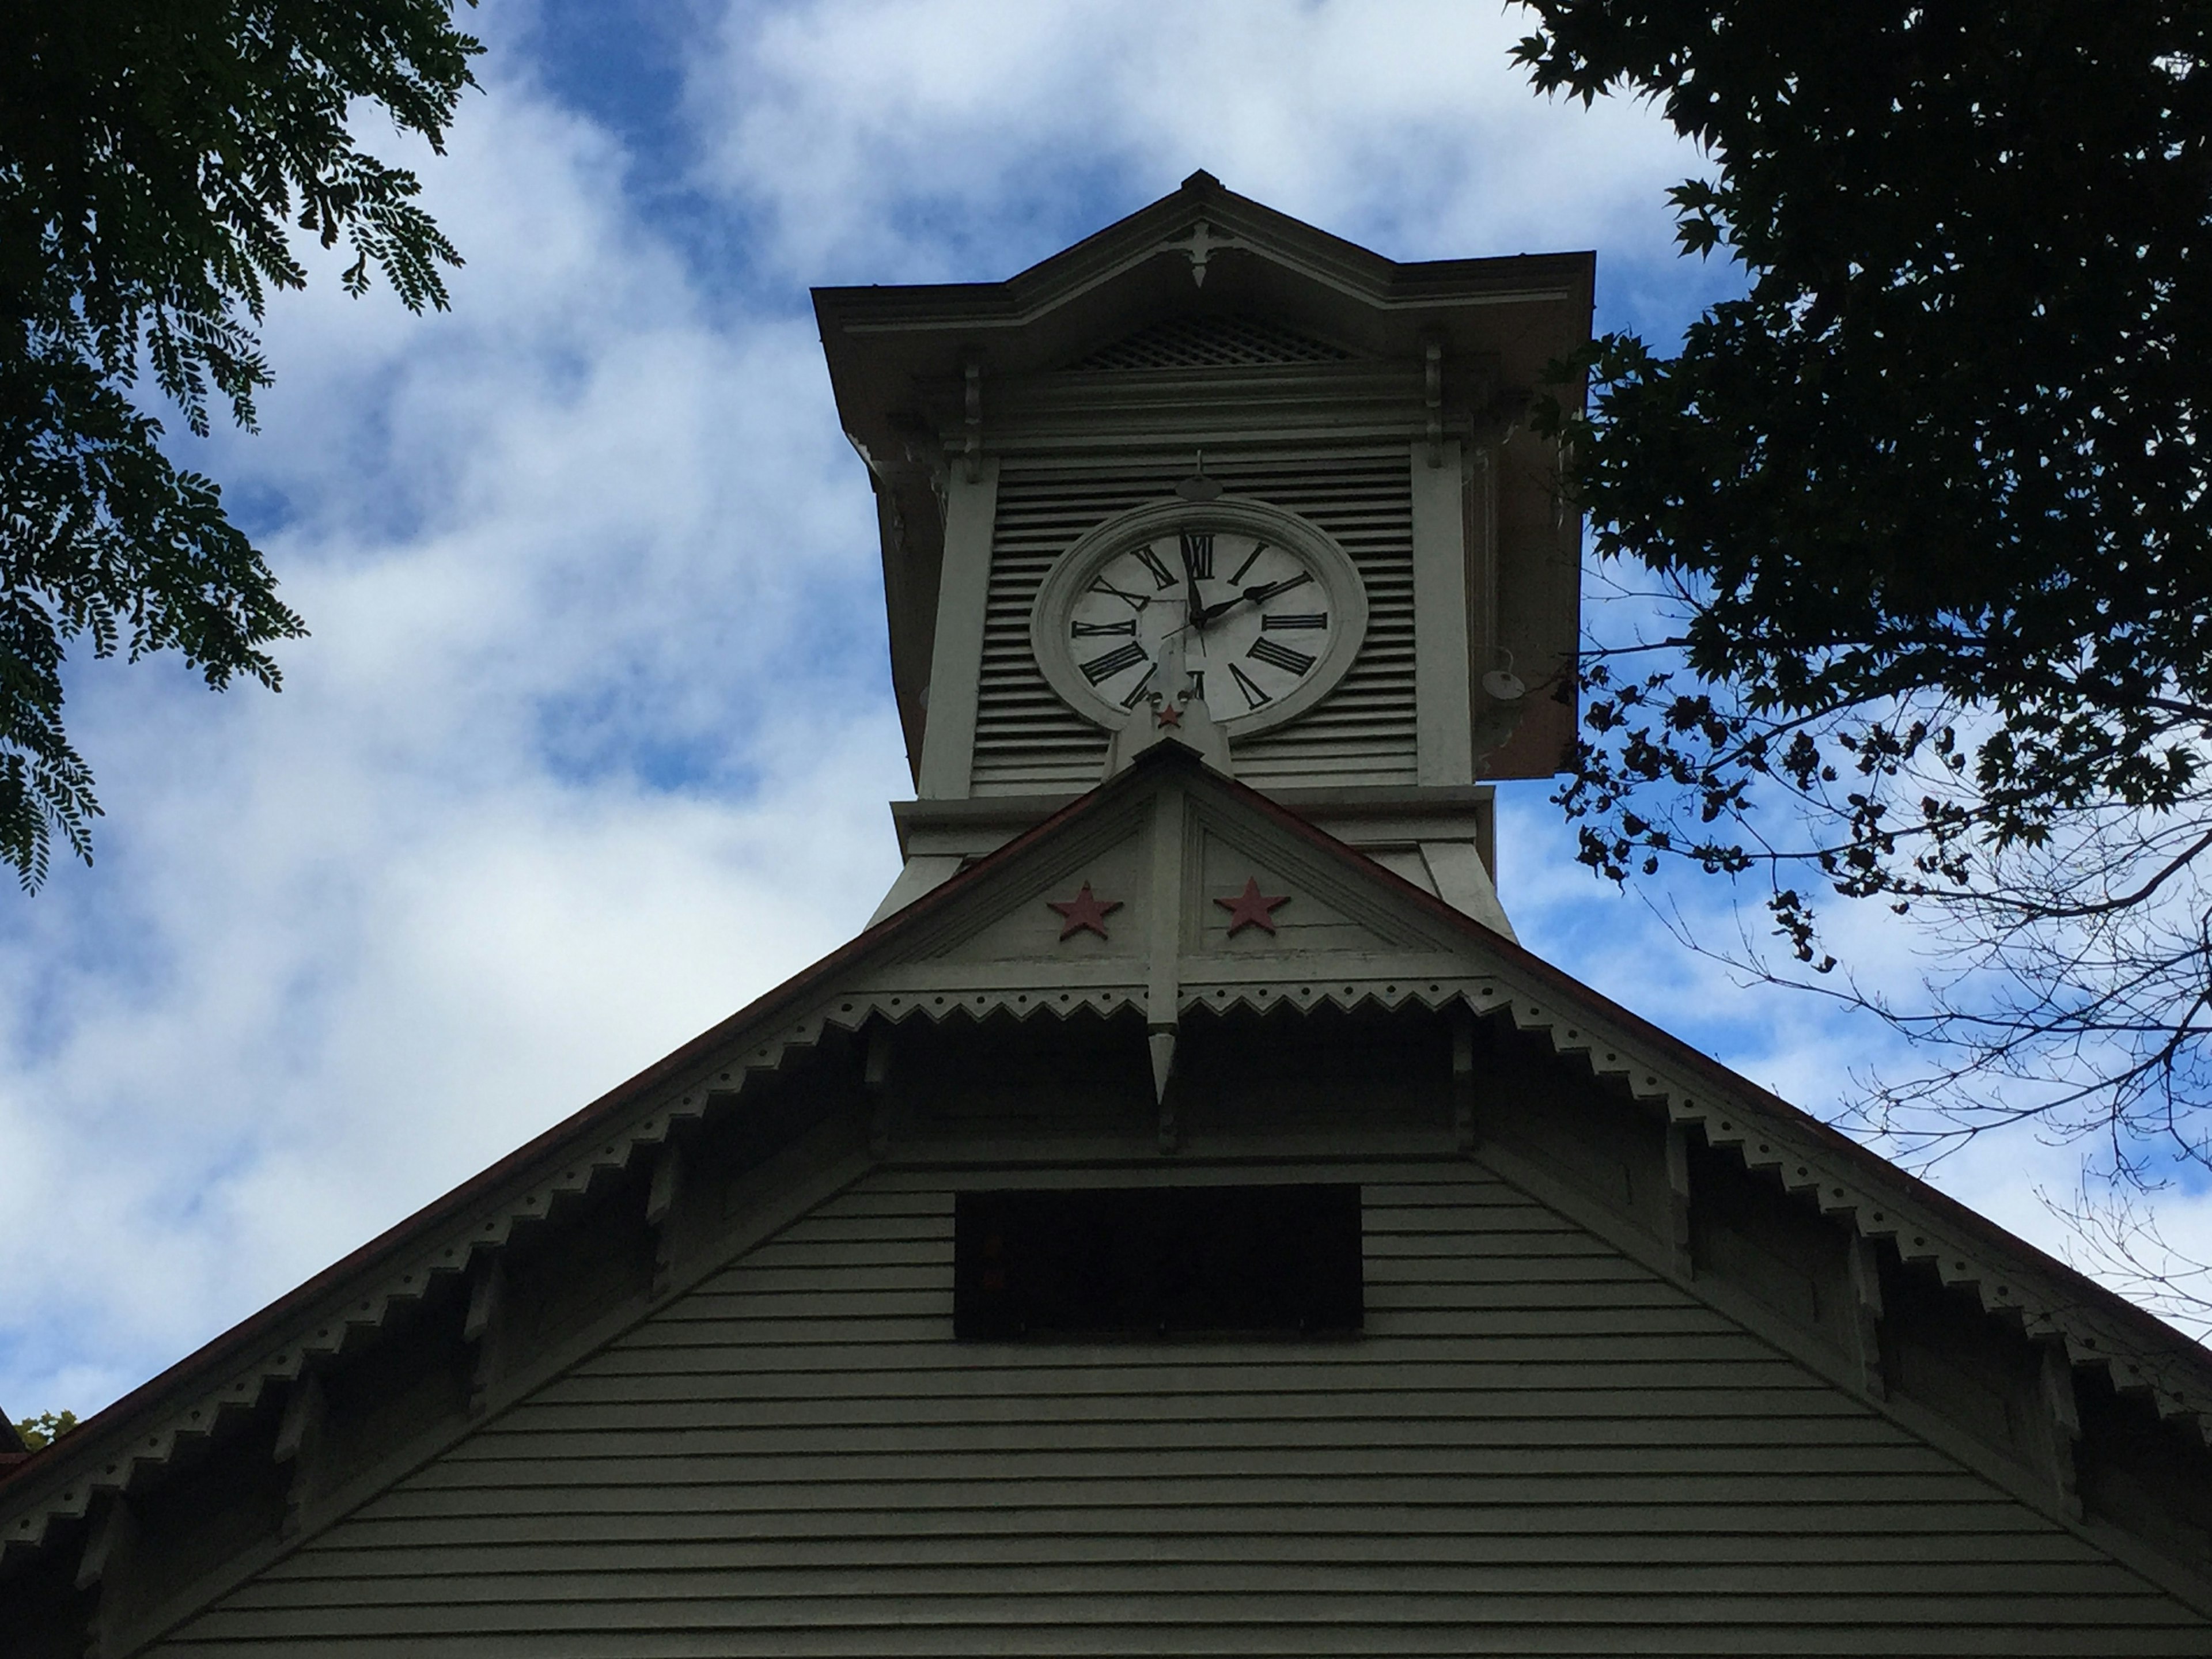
1254,696
1280,656
1161,575
1292,619
1198,554
1137,691
1105,667
1134,601
1084,630
1258,547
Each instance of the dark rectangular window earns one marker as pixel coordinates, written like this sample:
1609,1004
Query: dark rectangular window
1157,1261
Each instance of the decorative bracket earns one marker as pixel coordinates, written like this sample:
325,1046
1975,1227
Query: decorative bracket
1200,245
1432,394
1678,1199
876,1081
482,1327
1866,1316
971,443
106,1564
2065,1416
299,1437
1462,1035
660,1215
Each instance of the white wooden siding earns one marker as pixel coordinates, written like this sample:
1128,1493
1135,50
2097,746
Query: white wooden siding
1027,741
1537,1447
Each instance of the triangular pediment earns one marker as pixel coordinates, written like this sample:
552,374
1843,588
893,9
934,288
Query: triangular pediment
1172,885
1201,249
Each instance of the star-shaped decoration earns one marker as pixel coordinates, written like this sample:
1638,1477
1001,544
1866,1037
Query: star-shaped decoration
1084,911
1251,909
1170,714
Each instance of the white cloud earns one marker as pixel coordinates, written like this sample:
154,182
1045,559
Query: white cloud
592,738
928,136
564,774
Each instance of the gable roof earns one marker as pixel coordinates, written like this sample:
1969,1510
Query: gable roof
1165,840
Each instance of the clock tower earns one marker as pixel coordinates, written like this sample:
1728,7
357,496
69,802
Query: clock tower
1215,477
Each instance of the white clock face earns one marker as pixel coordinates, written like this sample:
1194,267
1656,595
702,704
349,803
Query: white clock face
1263,609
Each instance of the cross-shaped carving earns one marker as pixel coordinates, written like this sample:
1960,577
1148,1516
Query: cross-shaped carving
1200,245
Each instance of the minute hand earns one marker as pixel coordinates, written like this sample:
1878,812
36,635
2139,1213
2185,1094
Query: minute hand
1254,595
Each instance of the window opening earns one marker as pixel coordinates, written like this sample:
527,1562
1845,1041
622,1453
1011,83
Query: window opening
1157,1261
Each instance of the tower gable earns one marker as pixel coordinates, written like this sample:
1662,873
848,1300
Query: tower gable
1002,422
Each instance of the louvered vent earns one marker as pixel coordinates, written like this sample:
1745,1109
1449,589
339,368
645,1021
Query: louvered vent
1209,343
1027,741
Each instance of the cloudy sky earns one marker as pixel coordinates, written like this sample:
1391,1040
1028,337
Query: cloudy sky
593,738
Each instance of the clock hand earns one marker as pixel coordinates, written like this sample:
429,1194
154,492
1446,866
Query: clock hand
1194,609
1257,595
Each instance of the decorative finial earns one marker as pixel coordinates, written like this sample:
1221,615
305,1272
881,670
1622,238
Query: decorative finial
1198,487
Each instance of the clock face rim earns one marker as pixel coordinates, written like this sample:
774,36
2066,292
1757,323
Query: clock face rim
1073,572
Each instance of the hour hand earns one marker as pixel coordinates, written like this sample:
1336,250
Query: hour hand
1199,612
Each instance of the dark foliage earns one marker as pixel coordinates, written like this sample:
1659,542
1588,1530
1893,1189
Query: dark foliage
39,1432
156,156
1930,505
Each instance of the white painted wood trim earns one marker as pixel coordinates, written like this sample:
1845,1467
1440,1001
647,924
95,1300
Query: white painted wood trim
924,872
956,666
1442,677
1455,868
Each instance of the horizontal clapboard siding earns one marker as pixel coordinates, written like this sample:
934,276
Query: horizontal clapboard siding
1537,1447
1027,740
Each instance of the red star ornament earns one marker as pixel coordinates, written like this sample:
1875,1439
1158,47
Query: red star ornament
1084,911
1251,909
1170,714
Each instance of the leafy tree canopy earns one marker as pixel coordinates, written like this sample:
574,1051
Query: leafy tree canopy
155,159
1928,509
41,1431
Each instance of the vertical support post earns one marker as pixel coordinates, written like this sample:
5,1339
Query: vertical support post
1443,676
2065,1414
1678,1200
1866,1316
299,1443
1164,949
482,1327
956,663
660,1201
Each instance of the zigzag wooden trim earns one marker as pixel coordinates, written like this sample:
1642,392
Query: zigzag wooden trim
2177,1387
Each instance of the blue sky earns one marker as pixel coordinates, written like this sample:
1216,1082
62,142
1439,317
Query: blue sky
593,736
